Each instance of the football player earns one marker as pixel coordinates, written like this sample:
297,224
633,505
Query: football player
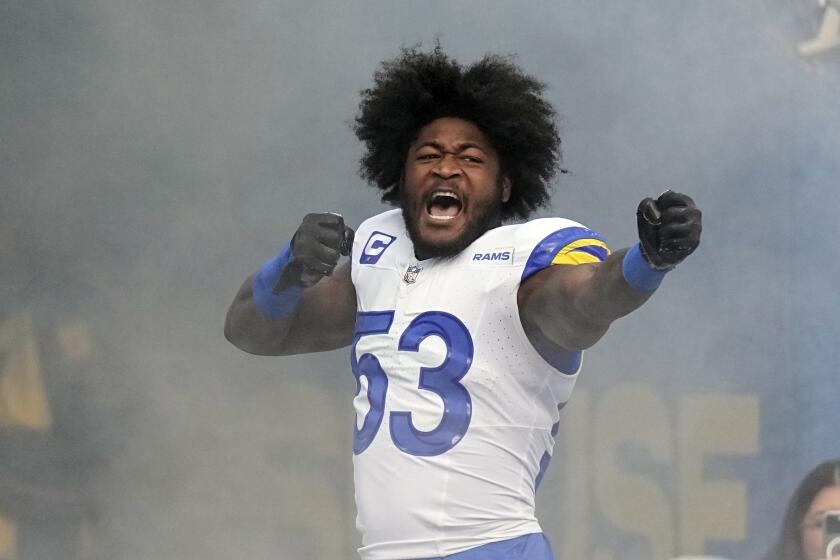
465,330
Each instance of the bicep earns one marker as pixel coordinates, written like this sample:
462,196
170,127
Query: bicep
553,301
326,315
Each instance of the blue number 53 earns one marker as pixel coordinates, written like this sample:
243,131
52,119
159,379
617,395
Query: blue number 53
443,379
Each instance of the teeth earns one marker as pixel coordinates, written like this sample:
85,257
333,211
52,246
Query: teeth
436,198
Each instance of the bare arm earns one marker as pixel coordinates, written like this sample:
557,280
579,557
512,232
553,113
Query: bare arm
574,305
298,302
322,320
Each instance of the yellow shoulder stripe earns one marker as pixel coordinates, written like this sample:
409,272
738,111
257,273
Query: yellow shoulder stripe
568,254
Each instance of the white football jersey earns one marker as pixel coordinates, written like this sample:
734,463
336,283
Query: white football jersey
456,410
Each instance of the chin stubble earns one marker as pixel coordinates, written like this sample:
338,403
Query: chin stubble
488,217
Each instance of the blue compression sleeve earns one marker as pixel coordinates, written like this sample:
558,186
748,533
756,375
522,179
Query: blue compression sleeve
275,305
638,273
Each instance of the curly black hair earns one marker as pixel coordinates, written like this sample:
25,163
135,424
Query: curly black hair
417,87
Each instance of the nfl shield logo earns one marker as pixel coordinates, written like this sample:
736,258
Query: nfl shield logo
411,273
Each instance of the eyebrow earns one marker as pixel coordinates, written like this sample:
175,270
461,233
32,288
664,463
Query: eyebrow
460,147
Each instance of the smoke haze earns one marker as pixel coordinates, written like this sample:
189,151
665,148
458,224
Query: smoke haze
154,153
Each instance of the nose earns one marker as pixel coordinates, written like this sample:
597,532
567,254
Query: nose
447,167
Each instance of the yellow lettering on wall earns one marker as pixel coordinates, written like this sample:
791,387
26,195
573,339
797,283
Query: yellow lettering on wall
714,425
23,400
633,415
8,539
677,505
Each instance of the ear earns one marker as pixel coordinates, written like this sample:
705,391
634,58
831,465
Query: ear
506,188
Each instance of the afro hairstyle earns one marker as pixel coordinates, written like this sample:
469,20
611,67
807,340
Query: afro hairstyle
417,87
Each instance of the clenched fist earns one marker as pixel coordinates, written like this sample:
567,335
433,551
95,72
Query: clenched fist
316,247
669,229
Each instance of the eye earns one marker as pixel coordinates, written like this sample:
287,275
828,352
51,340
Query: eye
471,159
426,157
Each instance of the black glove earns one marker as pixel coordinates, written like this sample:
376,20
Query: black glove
669,229
316,247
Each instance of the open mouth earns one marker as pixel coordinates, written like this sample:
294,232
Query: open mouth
444,206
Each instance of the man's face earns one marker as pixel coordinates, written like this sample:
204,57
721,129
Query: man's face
453,191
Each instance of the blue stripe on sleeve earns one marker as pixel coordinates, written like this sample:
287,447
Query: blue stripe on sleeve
547,249
599,252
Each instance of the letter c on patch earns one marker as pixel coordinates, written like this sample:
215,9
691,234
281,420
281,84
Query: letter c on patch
375,246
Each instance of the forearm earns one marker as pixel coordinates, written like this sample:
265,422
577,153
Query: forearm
313,319
608,295
298,301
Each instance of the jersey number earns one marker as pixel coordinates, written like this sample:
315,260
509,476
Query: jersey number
444,380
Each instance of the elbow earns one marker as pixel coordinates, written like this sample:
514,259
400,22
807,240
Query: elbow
235,334
251,341
232,334
244,344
